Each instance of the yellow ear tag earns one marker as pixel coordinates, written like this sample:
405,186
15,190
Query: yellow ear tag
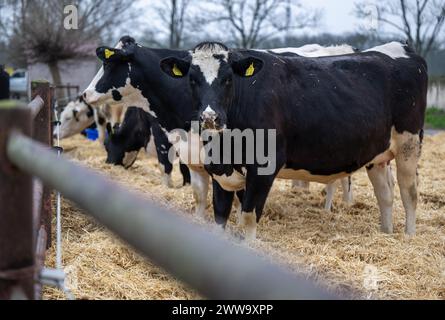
108,53
176,71
250,71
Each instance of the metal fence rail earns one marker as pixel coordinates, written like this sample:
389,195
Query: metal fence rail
211,265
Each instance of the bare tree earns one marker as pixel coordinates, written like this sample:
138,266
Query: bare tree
252,22
421,21
36,29
173,13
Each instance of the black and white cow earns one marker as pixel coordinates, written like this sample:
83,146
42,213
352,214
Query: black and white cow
140,131
131,75
76,117
332,115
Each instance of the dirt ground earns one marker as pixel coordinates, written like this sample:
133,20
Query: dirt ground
344,249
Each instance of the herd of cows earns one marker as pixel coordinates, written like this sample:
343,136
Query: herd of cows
335,110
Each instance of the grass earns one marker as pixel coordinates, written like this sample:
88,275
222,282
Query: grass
435,118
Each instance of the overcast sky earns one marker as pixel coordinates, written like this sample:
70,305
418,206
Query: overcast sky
337,18
338,15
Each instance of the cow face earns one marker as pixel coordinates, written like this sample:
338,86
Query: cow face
76,117
212,73
118,77
124,142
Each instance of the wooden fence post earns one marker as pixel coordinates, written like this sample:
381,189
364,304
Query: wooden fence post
42,132
17,248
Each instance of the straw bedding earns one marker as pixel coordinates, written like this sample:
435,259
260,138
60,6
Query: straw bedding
344,249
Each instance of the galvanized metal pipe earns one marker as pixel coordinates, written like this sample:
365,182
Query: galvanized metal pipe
213,266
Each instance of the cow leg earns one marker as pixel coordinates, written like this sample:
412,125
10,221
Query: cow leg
162,147
255,196
300,184
239,205
102,133
330,192
200,186
407,158
346,184
101,125
185,174
222,204
166,172
384,192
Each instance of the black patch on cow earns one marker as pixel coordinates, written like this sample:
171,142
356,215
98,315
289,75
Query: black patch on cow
102,121
116,95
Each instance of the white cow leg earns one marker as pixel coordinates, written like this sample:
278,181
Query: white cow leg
239,210
200,186
384,192
406,160
346,184
330,192
167,180
102,133
249,223
300,184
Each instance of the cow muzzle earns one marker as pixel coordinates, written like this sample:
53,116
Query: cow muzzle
210,120
92,97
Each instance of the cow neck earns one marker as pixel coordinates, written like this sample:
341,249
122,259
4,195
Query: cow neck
165,95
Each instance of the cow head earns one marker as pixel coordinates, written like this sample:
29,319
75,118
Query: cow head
76,117
117,78
124,142
212,72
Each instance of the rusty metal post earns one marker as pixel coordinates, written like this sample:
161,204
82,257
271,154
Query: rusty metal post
42,132
17,248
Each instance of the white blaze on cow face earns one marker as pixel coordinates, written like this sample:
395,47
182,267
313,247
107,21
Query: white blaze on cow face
75,118
394,50
208,59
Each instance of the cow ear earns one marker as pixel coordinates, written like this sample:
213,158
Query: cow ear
174,67
107,54
247,67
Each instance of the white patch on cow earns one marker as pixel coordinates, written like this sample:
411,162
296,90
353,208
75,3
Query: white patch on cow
207,63
129,159
235,182
70,124
209,110
131,97
394,50
150,150
315,50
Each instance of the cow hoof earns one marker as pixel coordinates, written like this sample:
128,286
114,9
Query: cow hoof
167,181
